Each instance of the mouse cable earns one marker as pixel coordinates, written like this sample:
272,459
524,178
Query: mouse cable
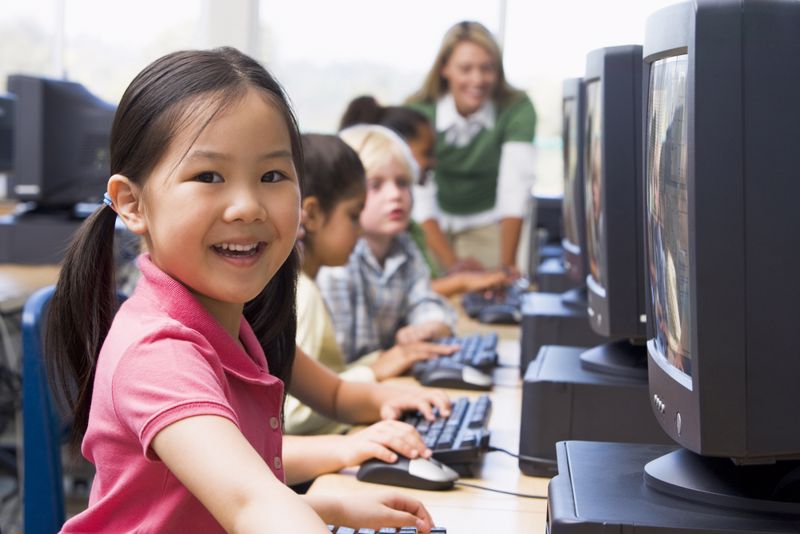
484,488
538,459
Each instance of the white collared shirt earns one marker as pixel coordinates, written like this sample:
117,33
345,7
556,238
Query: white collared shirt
515,176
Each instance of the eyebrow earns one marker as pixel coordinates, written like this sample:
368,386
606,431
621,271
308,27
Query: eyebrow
210,154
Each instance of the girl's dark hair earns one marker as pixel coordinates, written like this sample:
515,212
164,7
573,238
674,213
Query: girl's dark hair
366,110
332,170
168,96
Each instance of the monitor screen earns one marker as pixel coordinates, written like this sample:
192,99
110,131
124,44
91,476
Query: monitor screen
61,142
570,135
667,211
593,168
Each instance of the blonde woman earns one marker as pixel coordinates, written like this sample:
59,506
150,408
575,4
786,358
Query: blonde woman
484,152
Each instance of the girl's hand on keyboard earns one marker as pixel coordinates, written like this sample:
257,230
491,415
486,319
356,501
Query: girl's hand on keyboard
401,399
383,440
400,358
382,510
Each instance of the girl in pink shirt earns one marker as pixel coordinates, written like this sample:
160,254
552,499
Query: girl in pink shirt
177,398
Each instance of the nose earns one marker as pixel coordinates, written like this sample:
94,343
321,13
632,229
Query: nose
244,204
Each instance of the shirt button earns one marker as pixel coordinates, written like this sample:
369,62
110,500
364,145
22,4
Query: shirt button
276,462
274,423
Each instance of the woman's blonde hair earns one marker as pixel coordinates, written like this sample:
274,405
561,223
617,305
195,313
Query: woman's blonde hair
376,144
435,85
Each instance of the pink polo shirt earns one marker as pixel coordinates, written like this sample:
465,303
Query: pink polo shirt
165,359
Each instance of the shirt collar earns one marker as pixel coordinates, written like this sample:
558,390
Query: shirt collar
448,117
395,257
178,302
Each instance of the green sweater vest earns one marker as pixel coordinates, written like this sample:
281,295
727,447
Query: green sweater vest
466,177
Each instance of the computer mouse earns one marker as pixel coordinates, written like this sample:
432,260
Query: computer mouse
417,473
500,314
456,375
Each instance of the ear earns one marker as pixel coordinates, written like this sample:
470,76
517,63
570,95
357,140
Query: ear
127,199
311,215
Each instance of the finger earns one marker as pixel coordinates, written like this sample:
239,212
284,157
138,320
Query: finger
440,400
404,440
434,348
389,412
424,407
414,508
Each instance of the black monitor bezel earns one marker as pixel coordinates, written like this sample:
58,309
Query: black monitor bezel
61,143
618,310
575,260
736,403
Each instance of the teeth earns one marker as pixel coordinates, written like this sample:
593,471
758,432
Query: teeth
237,248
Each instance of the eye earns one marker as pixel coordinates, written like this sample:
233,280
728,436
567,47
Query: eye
208,177
273,176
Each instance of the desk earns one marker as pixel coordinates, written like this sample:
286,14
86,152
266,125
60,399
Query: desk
468,510
18,282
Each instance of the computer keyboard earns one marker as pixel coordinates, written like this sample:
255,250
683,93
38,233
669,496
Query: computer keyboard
476,350
496,307
401,530
459,439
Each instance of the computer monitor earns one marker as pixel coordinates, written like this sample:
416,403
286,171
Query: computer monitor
722,86
7,102
574,221
61,143
613,192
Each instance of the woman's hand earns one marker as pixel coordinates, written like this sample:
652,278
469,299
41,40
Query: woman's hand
474,281
422,332
400,358
383,440
376,511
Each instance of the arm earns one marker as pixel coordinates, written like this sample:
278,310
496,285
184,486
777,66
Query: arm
211,457
510,229
516,176
245,497
357,402
462,282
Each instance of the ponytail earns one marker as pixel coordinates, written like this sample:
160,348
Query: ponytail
362,110
80,315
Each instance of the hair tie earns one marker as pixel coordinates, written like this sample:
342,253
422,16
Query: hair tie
107,201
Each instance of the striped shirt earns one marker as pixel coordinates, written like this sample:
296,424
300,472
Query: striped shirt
370,302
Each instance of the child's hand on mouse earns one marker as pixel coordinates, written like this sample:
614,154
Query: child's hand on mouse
400,358
384,440
422,331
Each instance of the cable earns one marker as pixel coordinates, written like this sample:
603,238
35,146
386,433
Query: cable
538,459
484,488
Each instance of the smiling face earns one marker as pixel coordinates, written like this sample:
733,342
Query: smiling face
388,206
220,213
472,75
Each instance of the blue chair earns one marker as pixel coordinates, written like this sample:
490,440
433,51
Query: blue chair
43,489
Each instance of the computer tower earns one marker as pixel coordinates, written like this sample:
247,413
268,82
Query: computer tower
600,489
564,400
550,319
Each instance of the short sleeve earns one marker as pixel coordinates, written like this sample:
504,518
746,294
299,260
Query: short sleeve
521,121
159,382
